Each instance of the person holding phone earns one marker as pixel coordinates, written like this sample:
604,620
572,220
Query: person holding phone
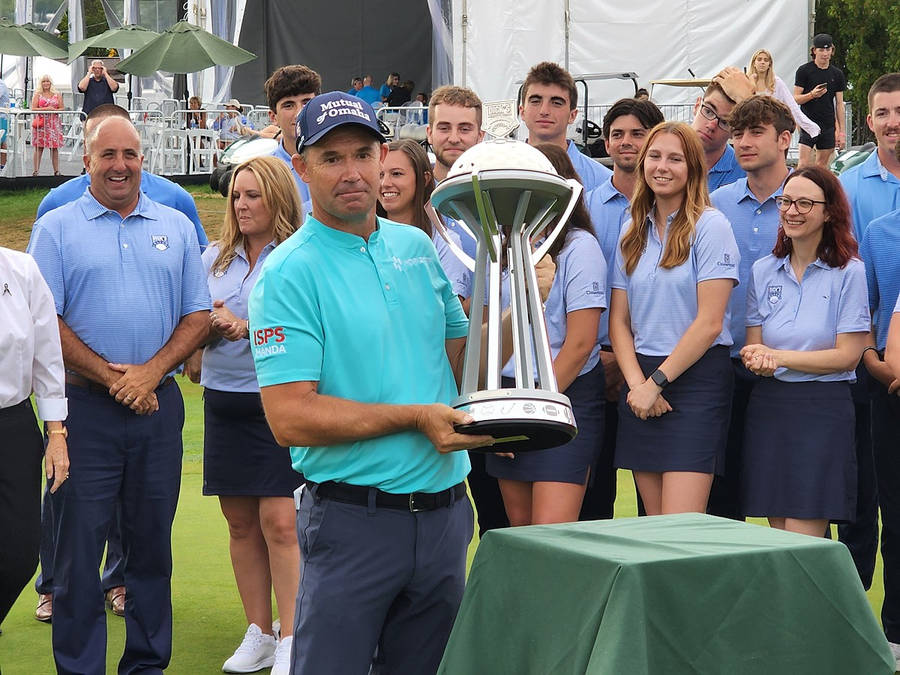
819,89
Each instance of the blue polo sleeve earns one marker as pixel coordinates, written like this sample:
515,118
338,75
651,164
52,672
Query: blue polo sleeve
617,276
715,251
754,317
185,203
853,308
44,248
286,331
585,274
194,289
865,252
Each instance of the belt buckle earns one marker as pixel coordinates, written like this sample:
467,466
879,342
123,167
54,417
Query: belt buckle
412,504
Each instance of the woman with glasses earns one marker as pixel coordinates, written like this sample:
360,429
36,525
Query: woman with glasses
761,72
807,325
675,266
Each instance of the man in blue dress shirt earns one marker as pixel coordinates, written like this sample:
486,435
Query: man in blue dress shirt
288,89
873,190
625,128
711,111
162,191
132,300
761,129
549,105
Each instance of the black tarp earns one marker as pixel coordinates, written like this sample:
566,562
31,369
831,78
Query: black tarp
338,38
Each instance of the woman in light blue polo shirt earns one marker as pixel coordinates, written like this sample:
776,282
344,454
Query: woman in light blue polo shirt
807,324
892,350
675,266
242,463
406,186
547,486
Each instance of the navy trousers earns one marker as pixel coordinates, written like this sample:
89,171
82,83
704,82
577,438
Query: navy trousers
377,579
116,457
113,568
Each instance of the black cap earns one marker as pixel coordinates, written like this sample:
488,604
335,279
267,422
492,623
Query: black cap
823,41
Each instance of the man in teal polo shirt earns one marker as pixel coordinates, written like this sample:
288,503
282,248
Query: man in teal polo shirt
358,340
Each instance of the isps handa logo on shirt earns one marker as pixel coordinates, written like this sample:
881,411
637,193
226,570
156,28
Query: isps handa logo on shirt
269,341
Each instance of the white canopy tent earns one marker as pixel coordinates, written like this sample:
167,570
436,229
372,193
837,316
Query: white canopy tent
495,43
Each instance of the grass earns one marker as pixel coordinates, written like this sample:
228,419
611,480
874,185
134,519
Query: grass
208,618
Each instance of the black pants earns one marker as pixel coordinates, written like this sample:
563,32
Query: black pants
21,449
885,446
486,494
861,536
725,494
600,496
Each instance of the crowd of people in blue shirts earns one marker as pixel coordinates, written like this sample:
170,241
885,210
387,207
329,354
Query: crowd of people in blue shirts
722,324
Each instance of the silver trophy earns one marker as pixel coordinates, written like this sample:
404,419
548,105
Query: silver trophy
507,194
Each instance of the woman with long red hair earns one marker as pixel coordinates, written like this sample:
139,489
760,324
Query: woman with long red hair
807,324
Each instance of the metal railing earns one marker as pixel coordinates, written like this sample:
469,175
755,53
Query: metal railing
19,134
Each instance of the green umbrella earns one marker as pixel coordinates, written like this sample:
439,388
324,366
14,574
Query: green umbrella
184,48
29,40
125,37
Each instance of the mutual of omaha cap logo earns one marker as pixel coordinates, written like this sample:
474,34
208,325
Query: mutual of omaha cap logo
329,111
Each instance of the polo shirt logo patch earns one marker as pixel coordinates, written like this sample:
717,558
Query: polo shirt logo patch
401,265
159,241
726,261
773,293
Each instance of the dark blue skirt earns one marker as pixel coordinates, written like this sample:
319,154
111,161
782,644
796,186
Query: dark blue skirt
240,455
799,457
692,436
567,463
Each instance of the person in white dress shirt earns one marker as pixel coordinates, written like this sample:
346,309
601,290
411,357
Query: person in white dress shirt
30,361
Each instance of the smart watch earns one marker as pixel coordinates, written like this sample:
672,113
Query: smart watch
659,378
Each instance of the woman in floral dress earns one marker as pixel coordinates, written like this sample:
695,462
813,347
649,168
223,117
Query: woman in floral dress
46,130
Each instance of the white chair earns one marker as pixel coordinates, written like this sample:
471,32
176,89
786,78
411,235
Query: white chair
75,136
203,149
168,154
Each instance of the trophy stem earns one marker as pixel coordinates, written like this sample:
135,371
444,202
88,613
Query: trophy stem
522,329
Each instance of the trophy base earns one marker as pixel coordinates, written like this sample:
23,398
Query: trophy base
525,419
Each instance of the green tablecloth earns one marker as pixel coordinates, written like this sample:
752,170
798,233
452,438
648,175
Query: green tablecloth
663,595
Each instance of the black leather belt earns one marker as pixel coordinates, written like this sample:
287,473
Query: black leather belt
96,388
413,501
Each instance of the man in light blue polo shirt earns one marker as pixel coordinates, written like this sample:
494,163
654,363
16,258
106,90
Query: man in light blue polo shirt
873,190
132,301
625,128
549,105
157,188
357,338
873,187
728,87
761,129
288,89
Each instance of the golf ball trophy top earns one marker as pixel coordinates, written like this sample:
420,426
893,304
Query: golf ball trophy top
507,195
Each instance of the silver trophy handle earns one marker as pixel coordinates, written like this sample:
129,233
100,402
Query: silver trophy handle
438,224
541,250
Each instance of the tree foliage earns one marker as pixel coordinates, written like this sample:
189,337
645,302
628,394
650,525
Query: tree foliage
867,44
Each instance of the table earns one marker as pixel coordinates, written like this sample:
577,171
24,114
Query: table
663,595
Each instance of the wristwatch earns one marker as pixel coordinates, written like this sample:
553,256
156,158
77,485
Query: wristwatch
659,378
64,432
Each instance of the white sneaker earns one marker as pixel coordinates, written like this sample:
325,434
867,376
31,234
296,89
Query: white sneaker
282,665
895,650
257,651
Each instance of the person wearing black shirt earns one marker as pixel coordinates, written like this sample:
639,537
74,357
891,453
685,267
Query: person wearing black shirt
819,89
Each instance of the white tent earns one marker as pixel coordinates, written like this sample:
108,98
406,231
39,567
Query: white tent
495,43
